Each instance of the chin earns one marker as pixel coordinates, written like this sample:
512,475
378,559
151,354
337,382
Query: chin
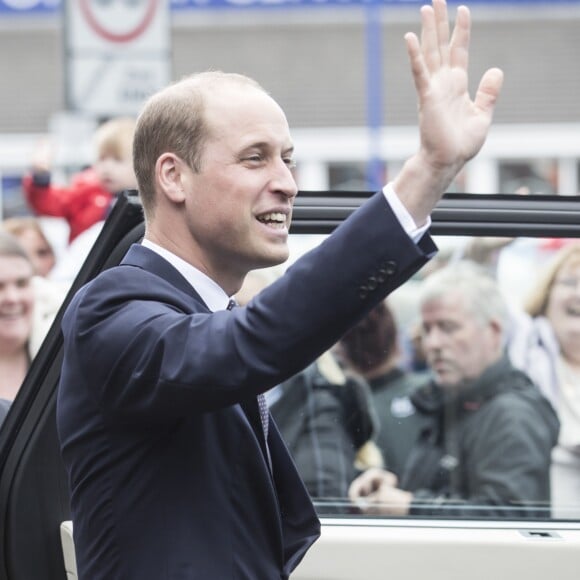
275,258
447,382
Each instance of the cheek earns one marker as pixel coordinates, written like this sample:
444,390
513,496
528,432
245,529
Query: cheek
127,170
28,301
464,351
553,302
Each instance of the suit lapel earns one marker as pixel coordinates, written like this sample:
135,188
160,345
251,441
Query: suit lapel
147,259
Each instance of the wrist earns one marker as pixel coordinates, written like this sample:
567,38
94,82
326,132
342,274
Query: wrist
420,185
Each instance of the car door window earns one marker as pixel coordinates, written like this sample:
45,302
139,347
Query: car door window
341,419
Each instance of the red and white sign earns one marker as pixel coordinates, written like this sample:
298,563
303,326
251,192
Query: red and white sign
118,53
120,20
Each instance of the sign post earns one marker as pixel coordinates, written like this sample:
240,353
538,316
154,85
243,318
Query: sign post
117,54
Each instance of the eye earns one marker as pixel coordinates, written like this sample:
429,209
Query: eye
290,162
448,327
571,283
23,283
253,159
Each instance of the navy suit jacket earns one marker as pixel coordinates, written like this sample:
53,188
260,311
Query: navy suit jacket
157,413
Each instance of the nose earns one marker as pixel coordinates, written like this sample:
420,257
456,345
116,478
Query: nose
283,181
10,293
431,339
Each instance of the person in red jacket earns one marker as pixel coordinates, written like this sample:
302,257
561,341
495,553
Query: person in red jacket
89,195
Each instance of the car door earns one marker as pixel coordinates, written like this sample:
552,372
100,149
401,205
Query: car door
33,487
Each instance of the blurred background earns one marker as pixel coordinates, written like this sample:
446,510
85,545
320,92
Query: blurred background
338,68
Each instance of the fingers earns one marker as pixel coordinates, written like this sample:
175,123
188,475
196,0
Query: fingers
435,34
42,157
418,68
459,45
436,49
488,90
369,482
429,38
363,485
442,24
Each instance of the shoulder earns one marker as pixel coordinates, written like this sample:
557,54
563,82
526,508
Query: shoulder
521,405
130,290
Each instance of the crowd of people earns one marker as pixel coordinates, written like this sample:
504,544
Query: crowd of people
489,429
369,426
34,278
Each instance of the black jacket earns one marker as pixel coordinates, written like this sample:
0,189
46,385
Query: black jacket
324,422
486,452
399,421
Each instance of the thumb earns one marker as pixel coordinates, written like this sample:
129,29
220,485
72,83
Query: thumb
488,90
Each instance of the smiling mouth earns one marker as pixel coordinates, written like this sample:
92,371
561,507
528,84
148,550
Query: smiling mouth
11,316
274,219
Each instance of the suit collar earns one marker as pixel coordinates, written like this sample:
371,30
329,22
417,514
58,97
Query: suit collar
213,295
147,259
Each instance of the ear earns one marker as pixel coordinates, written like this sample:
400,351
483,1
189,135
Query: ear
169,172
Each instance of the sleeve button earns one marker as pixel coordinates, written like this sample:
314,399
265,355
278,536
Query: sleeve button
389,267
372,283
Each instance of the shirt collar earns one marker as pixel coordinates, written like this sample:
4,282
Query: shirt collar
212,294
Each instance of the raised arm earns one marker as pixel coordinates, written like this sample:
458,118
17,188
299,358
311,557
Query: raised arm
453,127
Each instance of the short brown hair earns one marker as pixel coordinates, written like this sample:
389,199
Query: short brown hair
172,121
372,341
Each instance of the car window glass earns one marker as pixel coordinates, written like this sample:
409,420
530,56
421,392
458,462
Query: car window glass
479,456
338,424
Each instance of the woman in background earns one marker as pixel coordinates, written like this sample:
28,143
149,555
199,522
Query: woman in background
546,345
16,314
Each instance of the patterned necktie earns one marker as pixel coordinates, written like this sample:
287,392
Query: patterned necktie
264,414
262,405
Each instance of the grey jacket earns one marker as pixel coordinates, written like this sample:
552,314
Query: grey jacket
486,452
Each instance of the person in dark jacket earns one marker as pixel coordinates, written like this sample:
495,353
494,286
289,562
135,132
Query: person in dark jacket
326,419
325,416
372,350
486,449
174,467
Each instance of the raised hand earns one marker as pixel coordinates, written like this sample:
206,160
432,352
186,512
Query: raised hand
453,127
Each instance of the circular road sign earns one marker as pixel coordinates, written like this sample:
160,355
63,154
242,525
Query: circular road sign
119,20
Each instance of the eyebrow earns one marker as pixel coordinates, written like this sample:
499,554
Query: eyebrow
266,146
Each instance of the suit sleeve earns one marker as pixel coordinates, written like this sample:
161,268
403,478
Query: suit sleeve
146,357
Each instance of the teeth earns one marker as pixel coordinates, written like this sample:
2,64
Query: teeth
273,217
